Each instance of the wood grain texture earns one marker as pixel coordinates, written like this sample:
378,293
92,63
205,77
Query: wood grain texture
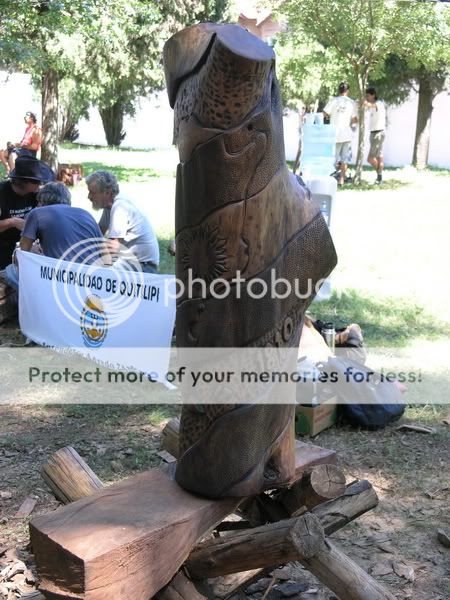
69,476
322,483
117,542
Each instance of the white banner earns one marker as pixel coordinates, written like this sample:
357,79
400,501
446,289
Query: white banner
98,312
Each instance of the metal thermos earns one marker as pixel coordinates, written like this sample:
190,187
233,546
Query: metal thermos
329,335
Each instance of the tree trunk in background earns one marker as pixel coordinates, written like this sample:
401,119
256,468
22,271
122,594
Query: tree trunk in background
361,139
112,118
423,123
362,84
49,150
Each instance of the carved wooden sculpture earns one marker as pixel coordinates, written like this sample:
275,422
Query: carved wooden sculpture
237,209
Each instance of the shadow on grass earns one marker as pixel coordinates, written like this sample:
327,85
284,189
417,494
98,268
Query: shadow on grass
385,321
125,173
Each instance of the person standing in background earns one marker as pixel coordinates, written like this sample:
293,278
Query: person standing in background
342,112
377,111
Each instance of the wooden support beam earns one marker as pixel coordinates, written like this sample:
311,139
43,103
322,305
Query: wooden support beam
117,540
301,539
322,483
343,576
358,498
180,588
170,436
231,553
69,476
273,544
125,541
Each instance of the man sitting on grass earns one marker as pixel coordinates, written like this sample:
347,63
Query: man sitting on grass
63,231
131,238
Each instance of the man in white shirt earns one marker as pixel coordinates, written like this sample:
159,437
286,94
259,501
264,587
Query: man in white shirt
377,110
129,232
343,114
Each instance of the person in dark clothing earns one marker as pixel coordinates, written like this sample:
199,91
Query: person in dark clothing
17,199
64,231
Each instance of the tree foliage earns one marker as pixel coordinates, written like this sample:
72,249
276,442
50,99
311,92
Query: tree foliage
365,35
124,53
307,71
93,52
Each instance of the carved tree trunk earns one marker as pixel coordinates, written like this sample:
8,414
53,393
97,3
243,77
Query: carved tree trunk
49,150
112,119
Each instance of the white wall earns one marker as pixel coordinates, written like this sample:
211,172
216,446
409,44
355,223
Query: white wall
152,126
17,96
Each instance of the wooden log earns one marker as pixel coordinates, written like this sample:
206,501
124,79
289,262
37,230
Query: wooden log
358,498
331,566
170,436
227,586
322,483
180,588
343,576
125,541
276,543
82,550
69,476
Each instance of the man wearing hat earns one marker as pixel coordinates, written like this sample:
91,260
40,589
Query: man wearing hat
17,199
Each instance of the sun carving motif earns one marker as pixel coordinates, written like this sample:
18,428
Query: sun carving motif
203,251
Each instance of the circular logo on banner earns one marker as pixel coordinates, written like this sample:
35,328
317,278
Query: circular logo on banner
93,322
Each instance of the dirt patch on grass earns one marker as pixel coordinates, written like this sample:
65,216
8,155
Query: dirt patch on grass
408,470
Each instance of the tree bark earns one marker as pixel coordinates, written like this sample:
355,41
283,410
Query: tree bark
423,123
49,150
112,119
362,84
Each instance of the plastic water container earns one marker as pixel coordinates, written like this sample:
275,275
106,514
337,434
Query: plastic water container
323,191
319,149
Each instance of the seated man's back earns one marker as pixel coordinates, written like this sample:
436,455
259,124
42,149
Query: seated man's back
64,231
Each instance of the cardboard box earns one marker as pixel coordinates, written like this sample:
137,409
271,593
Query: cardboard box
311,420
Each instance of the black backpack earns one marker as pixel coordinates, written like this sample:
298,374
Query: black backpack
367,399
